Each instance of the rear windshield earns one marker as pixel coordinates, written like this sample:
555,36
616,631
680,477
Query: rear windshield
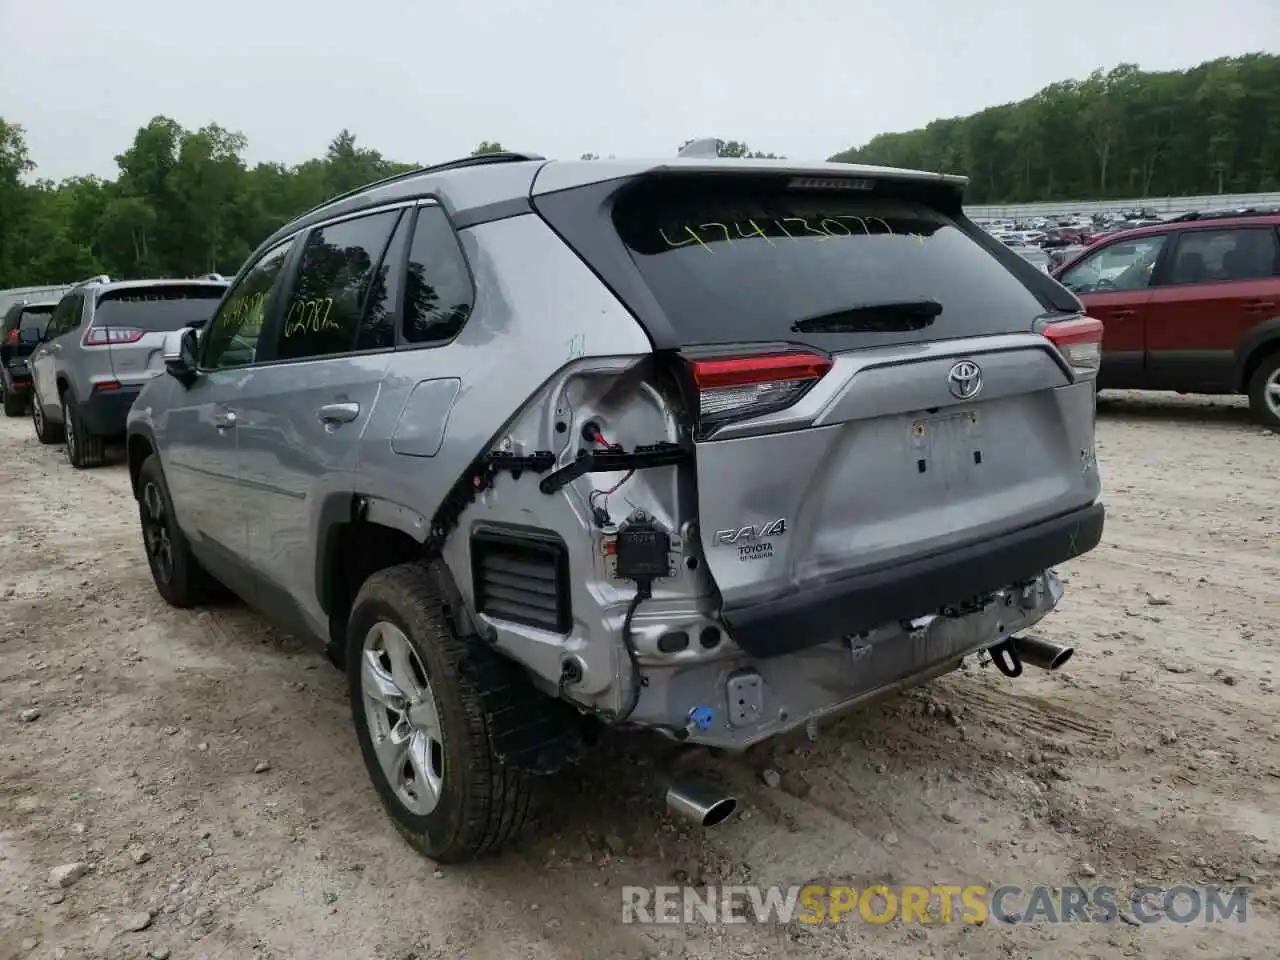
32,322
735,263
157,309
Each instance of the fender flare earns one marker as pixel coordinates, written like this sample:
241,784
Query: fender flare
339,509
1264,337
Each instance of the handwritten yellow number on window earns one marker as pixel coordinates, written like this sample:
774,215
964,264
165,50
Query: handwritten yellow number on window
809,228
693,238
717,226
755,231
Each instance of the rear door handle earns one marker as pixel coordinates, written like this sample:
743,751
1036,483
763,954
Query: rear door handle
1257,306
224,420
1121,314
338,412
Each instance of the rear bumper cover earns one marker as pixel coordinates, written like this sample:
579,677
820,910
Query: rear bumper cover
863,602
104,412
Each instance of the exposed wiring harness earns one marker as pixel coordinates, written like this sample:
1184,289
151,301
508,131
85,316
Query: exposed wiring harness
600,513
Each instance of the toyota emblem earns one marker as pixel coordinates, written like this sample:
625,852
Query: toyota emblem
965,380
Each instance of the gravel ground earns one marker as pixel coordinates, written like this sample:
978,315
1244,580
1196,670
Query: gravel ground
200,768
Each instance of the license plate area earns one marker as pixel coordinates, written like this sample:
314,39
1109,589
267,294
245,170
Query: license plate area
947,448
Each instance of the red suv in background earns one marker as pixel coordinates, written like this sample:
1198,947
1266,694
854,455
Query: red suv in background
1191,305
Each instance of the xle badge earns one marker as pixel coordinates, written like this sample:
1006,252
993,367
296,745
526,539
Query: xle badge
752,540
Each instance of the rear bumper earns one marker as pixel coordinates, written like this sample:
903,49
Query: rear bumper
909,590
104,413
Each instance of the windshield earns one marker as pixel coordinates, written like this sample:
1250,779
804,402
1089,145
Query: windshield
741,262
159,308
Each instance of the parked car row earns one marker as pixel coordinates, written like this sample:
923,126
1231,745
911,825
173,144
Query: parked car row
80,361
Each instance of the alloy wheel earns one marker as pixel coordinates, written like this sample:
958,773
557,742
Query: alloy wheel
155,532
69,433
403,719
1271,393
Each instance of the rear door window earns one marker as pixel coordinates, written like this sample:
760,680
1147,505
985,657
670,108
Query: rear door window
339,273
1219,256
737,263
157,309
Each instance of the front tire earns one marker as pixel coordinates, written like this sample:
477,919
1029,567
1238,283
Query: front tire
176,572
1264,393
421,723
84,449
46,432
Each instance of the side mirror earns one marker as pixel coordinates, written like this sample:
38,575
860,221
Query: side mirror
180,356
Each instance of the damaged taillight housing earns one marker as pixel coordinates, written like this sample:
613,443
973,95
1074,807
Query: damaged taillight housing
732,388
1079,340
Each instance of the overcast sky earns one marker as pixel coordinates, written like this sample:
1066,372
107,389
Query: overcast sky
425,80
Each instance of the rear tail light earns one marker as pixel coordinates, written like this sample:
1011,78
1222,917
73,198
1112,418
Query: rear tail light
106,386
1080,342
101,336
736,388
13,335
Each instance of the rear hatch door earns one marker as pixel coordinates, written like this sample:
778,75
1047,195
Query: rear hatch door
133,323
872,386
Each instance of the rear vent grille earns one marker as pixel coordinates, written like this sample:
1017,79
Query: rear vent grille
522,579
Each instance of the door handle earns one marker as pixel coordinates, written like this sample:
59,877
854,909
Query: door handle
338,412
1121,314
1257,306
224,420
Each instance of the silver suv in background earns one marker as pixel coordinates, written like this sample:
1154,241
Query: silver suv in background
104,342
716,448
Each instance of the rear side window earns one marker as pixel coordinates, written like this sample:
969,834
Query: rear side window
438,292
1218,256
336,277
159,308
735,262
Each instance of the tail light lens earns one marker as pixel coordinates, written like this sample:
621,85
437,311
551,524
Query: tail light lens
101,336
1080,342
737,388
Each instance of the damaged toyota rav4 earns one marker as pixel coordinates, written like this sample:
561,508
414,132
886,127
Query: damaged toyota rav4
715,448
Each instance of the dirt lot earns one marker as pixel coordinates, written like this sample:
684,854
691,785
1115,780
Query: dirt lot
202,765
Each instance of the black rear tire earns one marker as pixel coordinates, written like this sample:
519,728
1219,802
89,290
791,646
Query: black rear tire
1267,376
15,405
483,802
176,572
84,449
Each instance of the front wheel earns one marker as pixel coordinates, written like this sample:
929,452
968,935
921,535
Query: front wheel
46,432
1264,393
422,725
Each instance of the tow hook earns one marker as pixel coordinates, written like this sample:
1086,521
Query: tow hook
1005,657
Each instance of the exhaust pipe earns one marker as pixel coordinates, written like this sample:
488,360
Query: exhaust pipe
1042,653
700,801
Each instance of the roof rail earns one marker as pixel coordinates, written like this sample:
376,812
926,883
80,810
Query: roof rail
502,156
1223,214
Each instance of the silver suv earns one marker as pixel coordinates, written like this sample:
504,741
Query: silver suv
104,342
715,448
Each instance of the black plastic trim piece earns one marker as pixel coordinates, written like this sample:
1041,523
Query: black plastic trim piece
523,548
905,591
614,459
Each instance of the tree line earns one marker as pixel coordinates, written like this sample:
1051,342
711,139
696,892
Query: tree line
1123,133
186,202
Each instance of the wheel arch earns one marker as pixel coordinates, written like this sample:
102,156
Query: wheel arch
1259,343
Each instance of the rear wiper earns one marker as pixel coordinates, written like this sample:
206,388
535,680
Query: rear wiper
892,316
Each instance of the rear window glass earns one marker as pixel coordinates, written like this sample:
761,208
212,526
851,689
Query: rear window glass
156,309
741,263
33,323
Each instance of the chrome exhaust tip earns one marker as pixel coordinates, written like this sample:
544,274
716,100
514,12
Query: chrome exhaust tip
1041,653
700,801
